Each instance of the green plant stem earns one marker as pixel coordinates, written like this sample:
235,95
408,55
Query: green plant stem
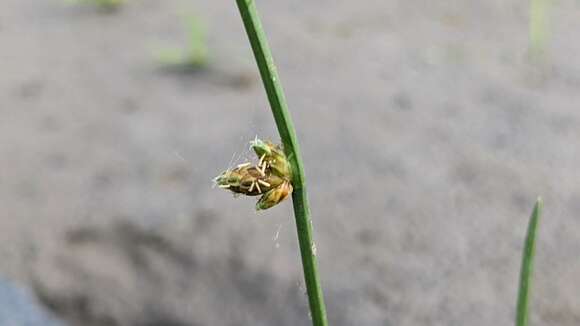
287,133
527,266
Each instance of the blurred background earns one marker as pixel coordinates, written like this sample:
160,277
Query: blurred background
428,129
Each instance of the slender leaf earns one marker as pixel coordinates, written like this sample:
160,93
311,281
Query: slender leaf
522,311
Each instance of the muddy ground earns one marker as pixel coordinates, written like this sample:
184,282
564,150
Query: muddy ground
426,129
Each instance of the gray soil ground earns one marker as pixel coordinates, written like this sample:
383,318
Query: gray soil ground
427,134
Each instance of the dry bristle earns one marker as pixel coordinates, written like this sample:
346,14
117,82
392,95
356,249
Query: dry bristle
258,187
243,165
262,159
252,186
263,183
261,171
223,186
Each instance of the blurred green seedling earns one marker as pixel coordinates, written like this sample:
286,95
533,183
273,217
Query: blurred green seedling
539,21
108,5
522,308
194,55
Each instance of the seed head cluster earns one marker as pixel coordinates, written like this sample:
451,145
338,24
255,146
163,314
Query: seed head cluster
270,178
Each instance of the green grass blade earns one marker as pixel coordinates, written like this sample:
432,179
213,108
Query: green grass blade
522,311
287,133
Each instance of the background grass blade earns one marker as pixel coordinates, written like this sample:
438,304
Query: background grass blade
287,133
538,28
522,311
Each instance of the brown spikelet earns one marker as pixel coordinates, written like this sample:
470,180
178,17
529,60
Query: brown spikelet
274,196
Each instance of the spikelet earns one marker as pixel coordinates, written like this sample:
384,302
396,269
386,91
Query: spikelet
273,156
247,180
274,196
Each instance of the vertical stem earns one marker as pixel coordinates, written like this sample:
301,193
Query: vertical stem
527,266
287,133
